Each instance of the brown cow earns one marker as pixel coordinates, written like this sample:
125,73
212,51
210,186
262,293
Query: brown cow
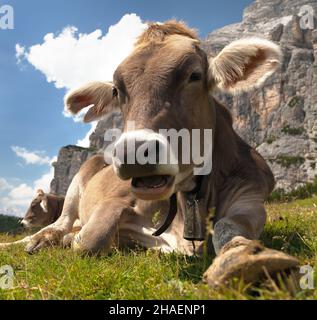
165,83
44,209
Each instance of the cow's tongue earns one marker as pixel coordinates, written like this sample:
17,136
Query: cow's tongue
150,182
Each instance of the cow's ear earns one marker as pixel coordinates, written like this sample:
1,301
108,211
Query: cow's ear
101,96
40,192
244,64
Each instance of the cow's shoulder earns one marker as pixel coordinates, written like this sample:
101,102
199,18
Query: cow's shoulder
90,167
96,161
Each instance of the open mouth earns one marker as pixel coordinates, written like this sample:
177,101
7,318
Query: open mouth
152,187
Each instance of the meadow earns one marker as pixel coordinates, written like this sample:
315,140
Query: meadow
56,273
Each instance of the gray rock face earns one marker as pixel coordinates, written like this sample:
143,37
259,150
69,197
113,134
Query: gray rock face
262,11
69,160
279,119
112,121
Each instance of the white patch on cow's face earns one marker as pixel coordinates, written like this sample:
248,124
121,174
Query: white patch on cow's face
43,205
25,223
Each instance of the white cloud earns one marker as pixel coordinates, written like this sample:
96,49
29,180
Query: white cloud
19,52
31,157
20,194
44,181
4,185
71,59
85,142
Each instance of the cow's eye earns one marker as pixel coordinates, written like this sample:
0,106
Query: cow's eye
114,92
195,76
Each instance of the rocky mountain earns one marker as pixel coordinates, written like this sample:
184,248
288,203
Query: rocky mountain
279,119
69,160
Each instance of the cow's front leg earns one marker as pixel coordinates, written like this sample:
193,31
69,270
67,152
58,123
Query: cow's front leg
49,236
239,254
245,218
100,233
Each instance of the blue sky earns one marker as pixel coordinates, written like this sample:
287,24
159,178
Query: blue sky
31,108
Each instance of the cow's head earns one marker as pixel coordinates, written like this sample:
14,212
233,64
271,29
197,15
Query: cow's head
37,214
165,83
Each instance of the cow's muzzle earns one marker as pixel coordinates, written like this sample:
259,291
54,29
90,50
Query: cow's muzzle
147,160
25,223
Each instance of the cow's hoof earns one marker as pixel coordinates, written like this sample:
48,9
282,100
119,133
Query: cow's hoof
43,239
247,260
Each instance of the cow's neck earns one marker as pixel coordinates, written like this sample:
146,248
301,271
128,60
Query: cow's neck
56,205
224,160
196,203
225,146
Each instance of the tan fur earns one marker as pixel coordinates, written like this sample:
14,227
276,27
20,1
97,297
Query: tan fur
159,32
134,224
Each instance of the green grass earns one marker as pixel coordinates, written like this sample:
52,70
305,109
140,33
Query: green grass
62,274
292,131
307,190
294,102
270,139
287,161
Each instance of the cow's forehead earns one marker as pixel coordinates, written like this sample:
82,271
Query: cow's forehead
157,57
180,44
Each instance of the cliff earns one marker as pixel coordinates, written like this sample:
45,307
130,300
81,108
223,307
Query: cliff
279,119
